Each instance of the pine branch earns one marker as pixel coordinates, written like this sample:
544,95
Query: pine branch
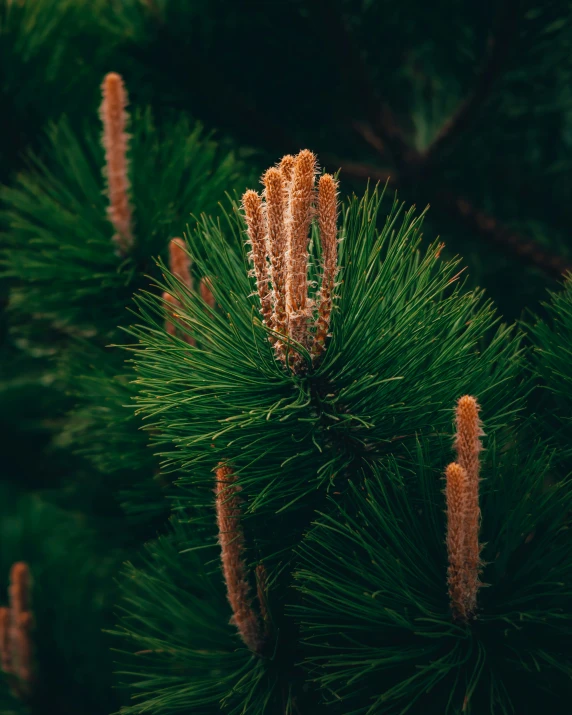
357,76
493,66
511,242
383,134
486,226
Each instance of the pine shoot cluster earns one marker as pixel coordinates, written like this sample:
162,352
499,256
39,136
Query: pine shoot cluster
278,227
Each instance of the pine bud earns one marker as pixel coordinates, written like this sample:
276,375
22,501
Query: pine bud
231,540
327,220
115,141
301,206
468,447
256,229
180,266
278,247
456,497
16,624
288,209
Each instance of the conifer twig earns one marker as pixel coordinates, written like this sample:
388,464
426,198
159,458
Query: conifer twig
484,225
456,497
115,141
468,447
231,540
328,224
257,235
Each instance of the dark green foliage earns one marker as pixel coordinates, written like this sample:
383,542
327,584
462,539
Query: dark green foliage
102,428
401,314
65,273
61,253
340,467
375,615
407,341
73,597
553,356
183,653
48,52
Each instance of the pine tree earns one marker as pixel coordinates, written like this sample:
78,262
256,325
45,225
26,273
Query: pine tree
329,511
336,478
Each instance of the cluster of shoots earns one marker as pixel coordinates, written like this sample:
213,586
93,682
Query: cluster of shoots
252,626
16,624
180,267
278,225
463,512
115,141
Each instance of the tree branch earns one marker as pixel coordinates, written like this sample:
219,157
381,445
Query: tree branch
356,73
512,242
484,225
498,52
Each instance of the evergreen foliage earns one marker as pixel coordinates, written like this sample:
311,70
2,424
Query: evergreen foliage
375,618
56,216
73,600
269,501
553,343
66,274
377,555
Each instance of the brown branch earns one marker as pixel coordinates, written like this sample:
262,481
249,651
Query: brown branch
356,73
357,170
484,225
493,66
510,241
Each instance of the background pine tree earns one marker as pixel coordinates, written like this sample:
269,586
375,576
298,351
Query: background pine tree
465,108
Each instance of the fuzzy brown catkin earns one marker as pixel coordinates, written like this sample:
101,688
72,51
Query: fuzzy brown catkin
257,235
20,628
180,266
328,225
115,142
456,496
468,447
301,209
231,540
277,245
